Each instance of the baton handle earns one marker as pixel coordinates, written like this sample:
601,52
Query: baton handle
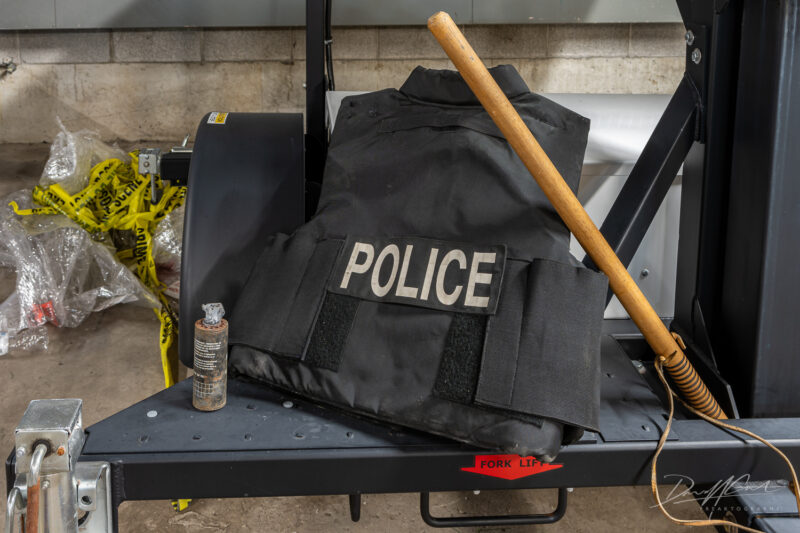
571,212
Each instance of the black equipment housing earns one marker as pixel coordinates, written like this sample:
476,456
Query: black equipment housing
245,183
732,123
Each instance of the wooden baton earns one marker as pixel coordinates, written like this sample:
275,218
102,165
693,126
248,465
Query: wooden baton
572,213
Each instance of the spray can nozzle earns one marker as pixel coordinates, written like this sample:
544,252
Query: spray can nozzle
214,313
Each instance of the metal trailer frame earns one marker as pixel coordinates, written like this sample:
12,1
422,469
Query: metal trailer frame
731,123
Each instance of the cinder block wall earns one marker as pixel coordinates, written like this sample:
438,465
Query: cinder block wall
156,85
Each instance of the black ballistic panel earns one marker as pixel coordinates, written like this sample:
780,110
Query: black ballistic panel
430,209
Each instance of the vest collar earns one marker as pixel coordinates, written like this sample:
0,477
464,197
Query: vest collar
448,87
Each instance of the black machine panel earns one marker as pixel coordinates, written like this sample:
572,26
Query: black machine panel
760,295
245,183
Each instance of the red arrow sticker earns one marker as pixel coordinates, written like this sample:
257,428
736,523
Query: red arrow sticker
509,466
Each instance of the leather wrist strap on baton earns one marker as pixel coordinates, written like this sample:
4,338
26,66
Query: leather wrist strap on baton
572,213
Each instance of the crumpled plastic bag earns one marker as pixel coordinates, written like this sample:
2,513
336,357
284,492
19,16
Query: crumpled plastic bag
167,243
72,156
167,240
62,275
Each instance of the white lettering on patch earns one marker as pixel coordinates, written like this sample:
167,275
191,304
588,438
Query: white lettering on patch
426,285
402,289
476,277
353,267
430,273
382,290
445,297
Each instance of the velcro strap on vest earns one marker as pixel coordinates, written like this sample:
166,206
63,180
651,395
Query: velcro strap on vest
541,349
537,355
461,358
331,330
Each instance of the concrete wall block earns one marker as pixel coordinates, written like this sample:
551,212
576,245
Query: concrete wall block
508,41
158,101
247,45
355,43
176,96
298,43
172,46
408,42
348,43
351,75
588,40
282,86
125,101
657,40
655,75
9,46
602,75
32,98
358,75
64,46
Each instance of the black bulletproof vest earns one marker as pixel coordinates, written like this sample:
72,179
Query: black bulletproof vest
434,287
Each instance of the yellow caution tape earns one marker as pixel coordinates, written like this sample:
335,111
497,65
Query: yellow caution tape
118,198
181,504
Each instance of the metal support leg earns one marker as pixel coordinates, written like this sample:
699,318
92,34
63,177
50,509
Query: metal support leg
355,507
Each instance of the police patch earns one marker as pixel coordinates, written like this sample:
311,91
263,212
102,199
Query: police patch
444,275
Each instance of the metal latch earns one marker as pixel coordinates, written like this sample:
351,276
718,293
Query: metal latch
150,165
49,440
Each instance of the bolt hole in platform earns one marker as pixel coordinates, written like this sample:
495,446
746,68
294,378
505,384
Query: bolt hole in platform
609,374
645,427
197,437
349,434
86,500
299,436
143,438
250,406
248,436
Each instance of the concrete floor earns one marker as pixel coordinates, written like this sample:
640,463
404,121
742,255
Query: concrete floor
111,361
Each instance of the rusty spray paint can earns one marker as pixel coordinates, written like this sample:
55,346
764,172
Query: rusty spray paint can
210,383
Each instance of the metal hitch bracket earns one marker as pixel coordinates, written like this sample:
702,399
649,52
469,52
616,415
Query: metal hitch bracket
51,490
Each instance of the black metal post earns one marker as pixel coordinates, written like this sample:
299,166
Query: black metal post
651,176
316,123
711,65
354,501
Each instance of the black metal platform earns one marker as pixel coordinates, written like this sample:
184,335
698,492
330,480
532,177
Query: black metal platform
268,443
